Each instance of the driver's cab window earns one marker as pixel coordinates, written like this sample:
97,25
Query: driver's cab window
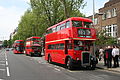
78,45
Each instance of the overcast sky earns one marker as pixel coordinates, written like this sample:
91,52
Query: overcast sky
12,10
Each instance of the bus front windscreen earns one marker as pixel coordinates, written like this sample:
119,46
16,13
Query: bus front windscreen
77,23
82,24
87,24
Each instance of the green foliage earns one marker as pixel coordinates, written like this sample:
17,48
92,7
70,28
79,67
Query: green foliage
45,13
5,43
104,39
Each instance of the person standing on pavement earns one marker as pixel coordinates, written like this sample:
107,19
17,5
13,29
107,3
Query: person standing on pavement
109,57
104,56
115,54
101,53
97,53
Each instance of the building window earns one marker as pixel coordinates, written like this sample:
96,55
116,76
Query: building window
114,12
111,30
104,16
108,15
96,21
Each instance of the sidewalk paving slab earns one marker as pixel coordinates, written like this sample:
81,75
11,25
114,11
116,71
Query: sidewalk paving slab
100,65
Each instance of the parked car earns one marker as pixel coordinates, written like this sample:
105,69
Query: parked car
7,49
10,49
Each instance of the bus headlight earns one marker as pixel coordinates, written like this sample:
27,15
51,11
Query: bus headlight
77,59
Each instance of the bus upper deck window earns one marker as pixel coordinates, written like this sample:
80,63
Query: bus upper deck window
67,24
87,24
77,23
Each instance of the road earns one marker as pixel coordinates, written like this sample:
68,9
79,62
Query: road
22,67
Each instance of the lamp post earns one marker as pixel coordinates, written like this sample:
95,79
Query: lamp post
93,25
93,12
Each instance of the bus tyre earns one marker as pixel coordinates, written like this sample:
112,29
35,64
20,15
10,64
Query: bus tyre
93,66
31,54
49,59
69,64
26,54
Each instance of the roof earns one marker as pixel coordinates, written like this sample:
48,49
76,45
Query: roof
34,37
72,18
33,45
19,40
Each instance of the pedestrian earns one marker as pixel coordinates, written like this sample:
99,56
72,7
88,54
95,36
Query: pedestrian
100,53
115,54
97,53
104,56
109,57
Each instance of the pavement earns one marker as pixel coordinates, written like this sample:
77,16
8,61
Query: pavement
100,65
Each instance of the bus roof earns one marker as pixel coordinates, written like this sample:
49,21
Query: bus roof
34,37
19,40
72,18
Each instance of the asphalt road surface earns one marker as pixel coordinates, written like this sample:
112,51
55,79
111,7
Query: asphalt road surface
22,67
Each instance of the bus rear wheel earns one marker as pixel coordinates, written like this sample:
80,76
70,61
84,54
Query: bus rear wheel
69,64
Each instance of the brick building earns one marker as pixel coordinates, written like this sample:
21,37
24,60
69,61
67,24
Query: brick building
108,18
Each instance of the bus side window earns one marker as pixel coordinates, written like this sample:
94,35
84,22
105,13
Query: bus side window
67,24
49,31
49,46
54,29
58,28
62,26
61,46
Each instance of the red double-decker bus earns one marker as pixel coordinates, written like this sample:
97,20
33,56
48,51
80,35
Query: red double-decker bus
33,47
70,42
18,46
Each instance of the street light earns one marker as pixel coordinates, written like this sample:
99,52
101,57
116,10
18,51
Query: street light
93,12
93,25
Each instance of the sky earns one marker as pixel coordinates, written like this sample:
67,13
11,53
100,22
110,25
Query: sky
12,10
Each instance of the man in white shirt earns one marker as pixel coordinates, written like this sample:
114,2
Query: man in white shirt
115,54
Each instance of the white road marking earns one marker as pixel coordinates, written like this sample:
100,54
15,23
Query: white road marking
2,69
2,64
8,71
2,61
6,62
1,79
5,56
57,69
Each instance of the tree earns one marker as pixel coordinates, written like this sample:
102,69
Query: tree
71,7
5,43
45,13
54,11
104,39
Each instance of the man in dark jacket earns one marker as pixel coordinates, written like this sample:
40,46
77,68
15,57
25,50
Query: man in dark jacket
109,57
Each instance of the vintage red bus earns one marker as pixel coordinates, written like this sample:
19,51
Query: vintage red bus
18,46
70,42
33,47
